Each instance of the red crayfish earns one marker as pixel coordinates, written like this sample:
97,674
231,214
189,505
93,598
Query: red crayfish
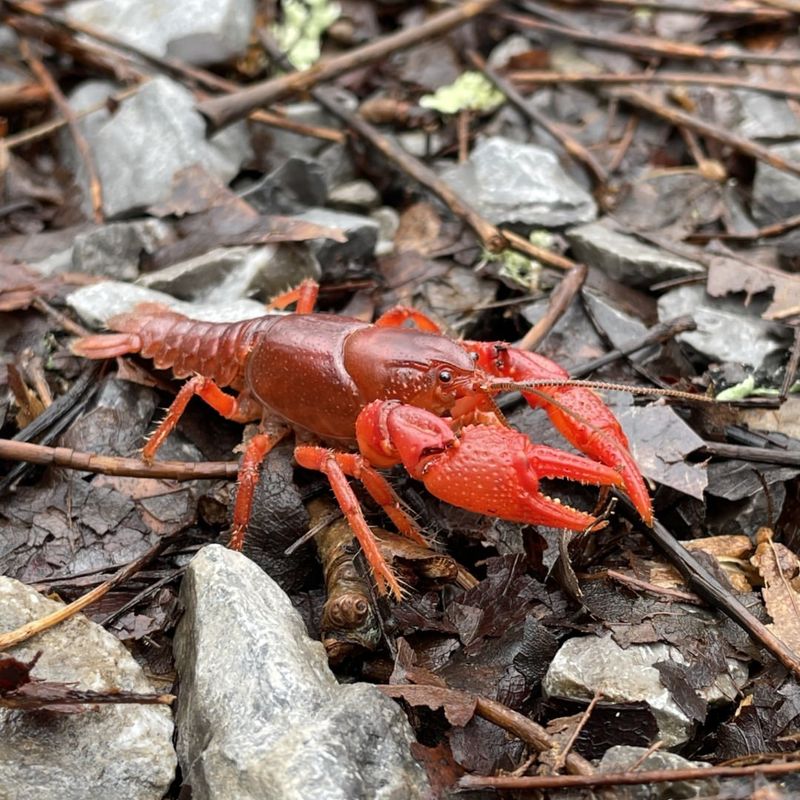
397,395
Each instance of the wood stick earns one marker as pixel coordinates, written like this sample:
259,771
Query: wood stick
30,629
530,782
11,450
46,79
222,111
547,78
533,115
650,46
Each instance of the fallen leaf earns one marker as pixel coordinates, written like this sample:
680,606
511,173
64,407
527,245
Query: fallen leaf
779,567
459,708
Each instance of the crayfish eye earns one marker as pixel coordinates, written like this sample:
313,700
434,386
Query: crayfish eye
445,376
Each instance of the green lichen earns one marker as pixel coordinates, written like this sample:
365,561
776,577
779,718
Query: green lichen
300,31
470,92
516,267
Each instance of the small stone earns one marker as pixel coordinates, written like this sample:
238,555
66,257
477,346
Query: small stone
196,31
299,182
776,194
514,45
97,303
361,232
508,181
229,274
626,259
763,116
388,224
115,750
590,664
260,715
622,758
151,137
354,196
114,250
726,330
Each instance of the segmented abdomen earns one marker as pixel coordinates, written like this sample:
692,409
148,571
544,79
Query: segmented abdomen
216,350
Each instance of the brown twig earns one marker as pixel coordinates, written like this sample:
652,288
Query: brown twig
650,46
560,300
16,96
726,8
564,754
545,78
174,66
693,123
533,734
533,115
38,68
530,782
112,465
662,591
767,232
221,111
658,334
30,629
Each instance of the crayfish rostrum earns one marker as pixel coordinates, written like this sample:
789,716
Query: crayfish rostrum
364,396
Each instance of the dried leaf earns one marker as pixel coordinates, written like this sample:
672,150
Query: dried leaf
727,275
459,708
779,567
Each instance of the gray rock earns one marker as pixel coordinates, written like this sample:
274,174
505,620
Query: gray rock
388,223
764,116
299,182
776,194
111,751
622,758
514,45
726,329
97,303
260,715
586,665
228,274
361,232
195,31
420,144
114,250
150,138
356,196
625,258
511,182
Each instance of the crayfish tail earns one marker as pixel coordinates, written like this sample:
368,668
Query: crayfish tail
106,345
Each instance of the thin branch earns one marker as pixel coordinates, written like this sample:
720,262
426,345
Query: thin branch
30,629
650,46
534,116
46,79
529,782
222,111
546,78
11,450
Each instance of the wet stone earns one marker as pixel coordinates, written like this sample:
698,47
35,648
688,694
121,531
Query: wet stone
776,194
195,31
626,259
354,196
622,759
229,274
122,750
726,331
134,174
508,181
586,665
97,303
260,715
